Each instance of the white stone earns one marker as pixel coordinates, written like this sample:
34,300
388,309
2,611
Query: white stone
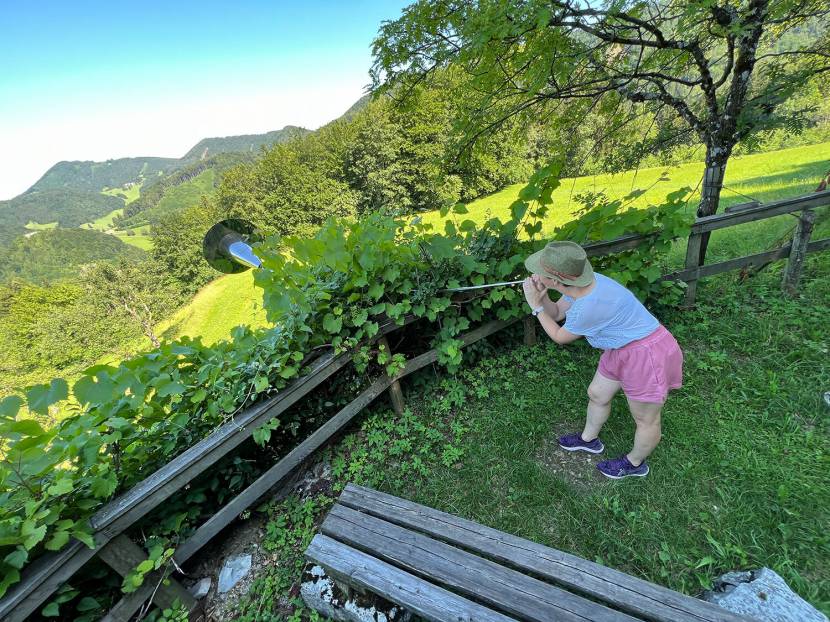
762,595
201,588
233,572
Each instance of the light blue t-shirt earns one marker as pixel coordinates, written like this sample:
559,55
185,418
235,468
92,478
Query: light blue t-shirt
610,316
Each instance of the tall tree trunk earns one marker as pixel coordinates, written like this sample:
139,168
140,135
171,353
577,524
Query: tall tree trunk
716,159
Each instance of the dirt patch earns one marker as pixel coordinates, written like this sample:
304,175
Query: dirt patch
578,468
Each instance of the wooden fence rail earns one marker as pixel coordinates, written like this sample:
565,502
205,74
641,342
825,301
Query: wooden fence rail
46,574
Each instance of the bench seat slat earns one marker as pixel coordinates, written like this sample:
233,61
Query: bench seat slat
636,596
479,579
418,596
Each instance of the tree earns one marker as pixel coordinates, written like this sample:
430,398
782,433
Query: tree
716,70
139,292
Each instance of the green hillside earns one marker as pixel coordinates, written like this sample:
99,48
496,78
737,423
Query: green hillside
250,143
47,256
68,208
95,176
764,176
230,300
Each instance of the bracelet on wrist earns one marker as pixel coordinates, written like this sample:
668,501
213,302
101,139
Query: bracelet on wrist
537,310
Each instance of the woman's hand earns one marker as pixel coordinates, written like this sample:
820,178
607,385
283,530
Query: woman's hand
535,291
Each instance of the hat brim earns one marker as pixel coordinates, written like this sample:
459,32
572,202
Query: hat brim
534,265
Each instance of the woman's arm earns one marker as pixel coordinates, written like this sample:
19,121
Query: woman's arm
554,331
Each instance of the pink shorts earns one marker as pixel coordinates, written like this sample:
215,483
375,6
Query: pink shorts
647,368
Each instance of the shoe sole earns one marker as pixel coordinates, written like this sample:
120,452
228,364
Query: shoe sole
626,475
585,449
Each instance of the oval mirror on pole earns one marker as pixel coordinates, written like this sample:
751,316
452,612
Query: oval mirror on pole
227,246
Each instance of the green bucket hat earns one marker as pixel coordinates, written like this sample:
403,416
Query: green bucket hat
564,261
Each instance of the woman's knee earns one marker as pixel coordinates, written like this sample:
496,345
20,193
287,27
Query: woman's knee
598,396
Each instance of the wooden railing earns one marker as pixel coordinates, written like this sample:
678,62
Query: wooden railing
46,574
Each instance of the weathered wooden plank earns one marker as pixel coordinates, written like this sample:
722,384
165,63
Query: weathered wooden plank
742,262
617,245
322,435
122,555
395,391
692,262
418,596
767,210
530,331
632,594
477,578
798,252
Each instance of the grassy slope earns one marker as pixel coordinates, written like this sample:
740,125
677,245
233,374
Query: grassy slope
33,226
229,301
766,177
179,197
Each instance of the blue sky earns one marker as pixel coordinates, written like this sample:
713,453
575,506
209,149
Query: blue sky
97,80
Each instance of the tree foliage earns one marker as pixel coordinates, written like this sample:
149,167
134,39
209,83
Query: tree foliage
713,70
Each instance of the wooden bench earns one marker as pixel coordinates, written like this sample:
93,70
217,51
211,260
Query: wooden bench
444,568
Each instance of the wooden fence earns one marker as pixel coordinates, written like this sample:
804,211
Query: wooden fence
46,574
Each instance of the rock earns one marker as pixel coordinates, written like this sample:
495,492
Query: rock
762,595
827,398
233,571
321,593
201,588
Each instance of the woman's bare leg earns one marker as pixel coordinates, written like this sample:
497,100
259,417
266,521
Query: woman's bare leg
647,417
600,393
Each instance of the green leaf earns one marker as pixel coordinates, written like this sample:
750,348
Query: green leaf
84,537
261,383
10,406
35,536
10,577
103,487
40,397
94,389
146,566
27,427
460,208
60,487
170,388
51,610
199,396
88,604
58,540
17,559
332,324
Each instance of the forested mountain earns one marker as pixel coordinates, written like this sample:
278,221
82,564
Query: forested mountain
94,176
68,208
246,143
50,255
181,188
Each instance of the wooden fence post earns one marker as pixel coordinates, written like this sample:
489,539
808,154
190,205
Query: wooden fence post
530,330
122,555
692,262
395,392
798,252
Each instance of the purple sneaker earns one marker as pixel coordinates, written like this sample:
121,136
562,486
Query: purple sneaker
621,467
574,442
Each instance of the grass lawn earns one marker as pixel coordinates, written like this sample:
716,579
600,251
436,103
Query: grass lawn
128,194
103,223
738,482
33,226
229,301
140,240
766,177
